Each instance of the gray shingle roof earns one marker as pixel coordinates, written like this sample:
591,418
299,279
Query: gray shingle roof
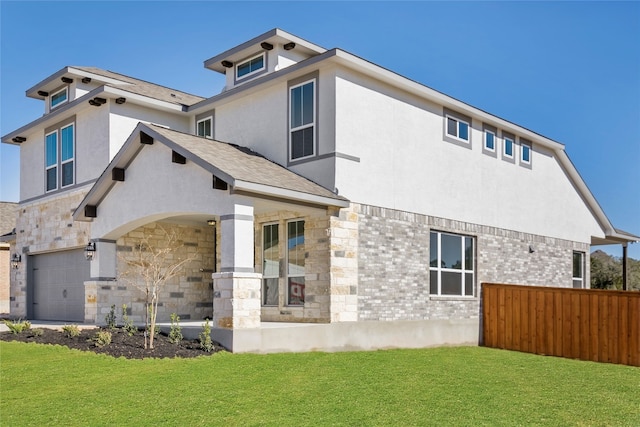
243,164
145,88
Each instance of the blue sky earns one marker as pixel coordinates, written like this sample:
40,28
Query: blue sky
567,70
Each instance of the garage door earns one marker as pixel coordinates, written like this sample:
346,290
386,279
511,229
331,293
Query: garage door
58,285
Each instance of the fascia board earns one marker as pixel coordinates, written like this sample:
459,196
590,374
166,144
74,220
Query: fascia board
283,193
52,116
141,99
33,91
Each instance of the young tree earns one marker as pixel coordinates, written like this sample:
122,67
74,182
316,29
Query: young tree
150,265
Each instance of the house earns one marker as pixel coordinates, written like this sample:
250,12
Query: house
330,203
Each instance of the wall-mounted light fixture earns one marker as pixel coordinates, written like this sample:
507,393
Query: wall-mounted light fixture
16,259
90,251
121,100
66,80
227,64
289,46
211,222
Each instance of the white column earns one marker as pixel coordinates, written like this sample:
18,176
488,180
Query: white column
103,264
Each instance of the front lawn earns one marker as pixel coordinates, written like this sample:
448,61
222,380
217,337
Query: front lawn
54,386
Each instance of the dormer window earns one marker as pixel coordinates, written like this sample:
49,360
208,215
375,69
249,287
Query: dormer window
203,127
59,97
250,67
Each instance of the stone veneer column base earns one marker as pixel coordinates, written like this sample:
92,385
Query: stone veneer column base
236,300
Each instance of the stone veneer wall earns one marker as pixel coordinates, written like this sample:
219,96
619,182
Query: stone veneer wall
42,226
190,295
393,262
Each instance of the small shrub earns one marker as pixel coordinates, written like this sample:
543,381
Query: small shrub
71,331
127,324
110,318
175,334
18,326
205,338
102,338
37,332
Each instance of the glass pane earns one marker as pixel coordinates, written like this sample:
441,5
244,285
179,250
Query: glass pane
307,142
451,283
468,253
489,140
52,149
244,69
52,182
297,144
67,143
577,283
257,63
67,174
451,251
508,147
525,153
463,130
433,249
207,128
296,107
270,291
433,282
577,265
307,103
200,130
468,284
296,291
452,126
271,257
295,248
58,98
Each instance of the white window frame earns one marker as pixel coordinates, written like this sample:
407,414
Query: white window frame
270,276
72,159
66,98
287,275
525,147
251,73
210,118
458,121
495,140
504,147
463,271
54,165
582,270
304,126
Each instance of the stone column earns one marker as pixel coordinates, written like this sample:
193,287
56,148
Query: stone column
236,288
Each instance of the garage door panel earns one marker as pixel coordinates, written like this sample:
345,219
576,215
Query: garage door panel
58,285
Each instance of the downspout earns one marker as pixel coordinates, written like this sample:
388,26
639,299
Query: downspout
625,272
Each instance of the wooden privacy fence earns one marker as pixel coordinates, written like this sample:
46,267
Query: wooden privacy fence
587,324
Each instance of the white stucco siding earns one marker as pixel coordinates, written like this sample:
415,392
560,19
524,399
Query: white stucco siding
406,164
32,165
92,143
155,189
125,117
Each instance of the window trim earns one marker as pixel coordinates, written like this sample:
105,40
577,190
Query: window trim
486,128
463,271
486,146
458,121
293,85
73,157
57,130
202,120
52,166
65,89
251,73
278,275
508,137
525,146
582,270
287,276
458,118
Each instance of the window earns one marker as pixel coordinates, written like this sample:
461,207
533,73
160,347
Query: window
59,97
578,270
270,265
508,146
203,127
489,140
302,120
457,128
295,263
525,153
250,66
451,267
59,158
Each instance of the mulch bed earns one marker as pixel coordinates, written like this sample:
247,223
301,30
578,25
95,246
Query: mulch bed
122,345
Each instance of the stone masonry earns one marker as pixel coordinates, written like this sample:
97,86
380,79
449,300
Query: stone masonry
393,262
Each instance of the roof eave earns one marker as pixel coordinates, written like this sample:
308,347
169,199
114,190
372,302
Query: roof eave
283,193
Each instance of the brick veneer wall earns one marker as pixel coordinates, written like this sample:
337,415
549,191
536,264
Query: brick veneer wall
393,264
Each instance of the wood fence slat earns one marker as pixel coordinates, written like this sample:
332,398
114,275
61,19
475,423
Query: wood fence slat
602,326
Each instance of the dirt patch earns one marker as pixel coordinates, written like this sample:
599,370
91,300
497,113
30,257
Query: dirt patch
122,345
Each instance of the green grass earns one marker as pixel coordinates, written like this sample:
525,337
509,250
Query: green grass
467,386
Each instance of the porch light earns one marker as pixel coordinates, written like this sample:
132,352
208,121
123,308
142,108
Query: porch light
90,251
15,260
211,222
